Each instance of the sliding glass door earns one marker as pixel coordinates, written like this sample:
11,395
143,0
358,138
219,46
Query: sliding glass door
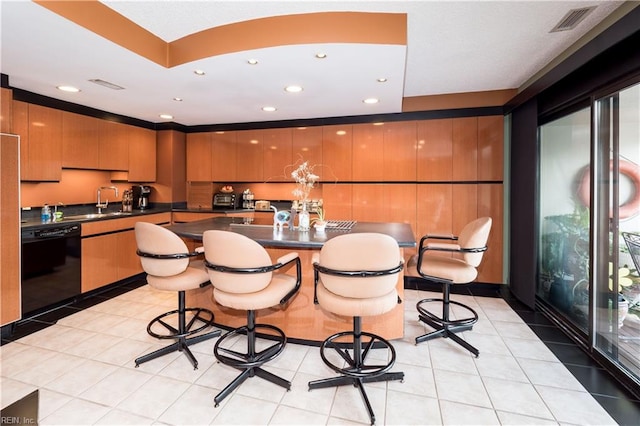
589,226
617,223
563,260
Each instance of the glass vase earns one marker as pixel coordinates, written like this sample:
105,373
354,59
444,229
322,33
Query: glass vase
303,218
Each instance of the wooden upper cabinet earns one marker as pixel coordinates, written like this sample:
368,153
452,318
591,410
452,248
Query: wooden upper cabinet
79,141
224,167
142,154
465,149
277,155
399,150
490,148
199,157
307,146
337,153
113,146
434,151
6,107
40,130
368,152
249,159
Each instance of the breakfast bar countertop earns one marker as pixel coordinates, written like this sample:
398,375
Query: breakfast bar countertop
263,231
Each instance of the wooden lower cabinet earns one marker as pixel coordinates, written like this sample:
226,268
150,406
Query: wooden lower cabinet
109,250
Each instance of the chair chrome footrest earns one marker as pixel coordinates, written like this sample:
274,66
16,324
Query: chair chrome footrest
433,319
251,358
356,366
205,316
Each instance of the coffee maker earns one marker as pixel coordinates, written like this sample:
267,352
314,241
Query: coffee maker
141,197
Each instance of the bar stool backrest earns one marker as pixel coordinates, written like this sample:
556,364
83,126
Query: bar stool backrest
154,239
474,235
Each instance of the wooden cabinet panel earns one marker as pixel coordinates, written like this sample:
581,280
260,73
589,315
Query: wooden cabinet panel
109,249
400,140
434,206
337,201
40,130
249,160
465,149
277,155
491,203
128,261
368,202
434,150
307,146
400,203
6,110
199,157
9,230
223,168
99,261
142,154
337,153
79,141
20,116
368,152
465,205
113,146
490,148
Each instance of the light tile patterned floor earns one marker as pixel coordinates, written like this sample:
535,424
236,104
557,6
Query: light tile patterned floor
84,369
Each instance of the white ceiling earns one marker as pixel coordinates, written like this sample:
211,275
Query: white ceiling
453,47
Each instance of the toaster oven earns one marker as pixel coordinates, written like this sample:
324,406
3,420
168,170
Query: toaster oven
224,199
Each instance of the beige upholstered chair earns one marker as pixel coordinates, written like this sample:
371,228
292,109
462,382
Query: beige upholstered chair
356,276
244,278
166,260
470,245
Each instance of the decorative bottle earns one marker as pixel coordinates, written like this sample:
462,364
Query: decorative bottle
45,214
303,218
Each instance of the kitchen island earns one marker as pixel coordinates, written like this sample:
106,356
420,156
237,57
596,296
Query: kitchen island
302,320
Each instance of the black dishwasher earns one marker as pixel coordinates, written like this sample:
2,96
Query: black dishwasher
50,267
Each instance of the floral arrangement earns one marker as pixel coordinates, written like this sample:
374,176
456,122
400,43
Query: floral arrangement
305,180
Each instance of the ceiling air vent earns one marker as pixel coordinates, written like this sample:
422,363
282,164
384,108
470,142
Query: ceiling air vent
106,84
572,19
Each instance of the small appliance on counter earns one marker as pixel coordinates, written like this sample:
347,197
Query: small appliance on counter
141,197
224,200
247,199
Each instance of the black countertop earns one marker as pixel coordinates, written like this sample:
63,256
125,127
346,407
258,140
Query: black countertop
263,232
31,223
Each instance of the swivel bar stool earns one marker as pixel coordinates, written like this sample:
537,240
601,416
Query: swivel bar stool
356,275
165,259
244,278
471,244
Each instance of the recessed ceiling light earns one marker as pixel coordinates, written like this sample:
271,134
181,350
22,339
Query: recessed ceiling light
382,80
70,89
321,55
268,108
293,89
177,99
370,101
199,72
252,62
166,116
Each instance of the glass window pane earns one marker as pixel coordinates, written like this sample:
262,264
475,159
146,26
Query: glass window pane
563,279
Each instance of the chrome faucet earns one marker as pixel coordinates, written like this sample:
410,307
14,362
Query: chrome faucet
100,205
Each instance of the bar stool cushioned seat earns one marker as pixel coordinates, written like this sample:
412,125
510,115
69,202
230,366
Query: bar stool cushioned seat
245,278
169,266
470,245
356,275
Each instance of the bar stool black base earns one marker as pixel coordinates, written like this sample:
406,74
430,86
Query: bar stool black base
445,327
181,333
357,372
250,362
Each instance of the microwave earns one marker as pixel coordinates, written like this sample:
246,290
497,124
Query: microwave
224,199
